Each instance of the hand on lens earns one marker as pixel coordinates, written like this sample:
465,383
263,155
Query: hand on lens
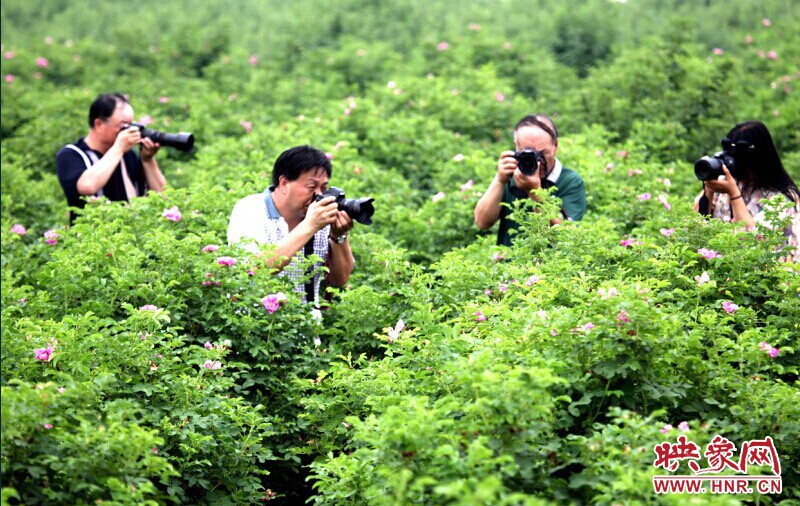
527,183
342,225
148,148
506,166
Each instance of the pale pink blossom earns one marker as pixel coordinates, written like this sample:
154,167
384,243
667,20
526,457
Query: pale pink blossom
629,242
607,294
391,85
146,120
532,280
487,291
394,332
702,279
499,97
439,196
9,78
253,60
622,316
208,345
663,199
766,22
458,158
51,237
748,39
212,365
61,390
772,55
210,248
47,426
148,307
163,100
443,46
247,125
553,332
172,214
634,172
709,253
498,256
503,287
42,62
19,229
667,182
479,316
643,196
226,261
8,55
718,51
466,186
598,153
666,232
666,428
683,427
729,307
773,352
475,27
329,155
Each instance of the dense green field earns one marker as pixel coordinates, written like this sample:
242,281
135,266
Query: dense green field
544,373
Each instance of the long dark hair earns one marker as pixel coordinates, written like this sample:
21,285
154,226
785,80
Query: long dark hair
757,162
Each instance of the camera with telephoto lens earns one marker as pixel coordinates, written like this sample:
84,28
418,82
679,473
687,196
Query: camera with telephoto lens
360,210
182,141
709,168
528,160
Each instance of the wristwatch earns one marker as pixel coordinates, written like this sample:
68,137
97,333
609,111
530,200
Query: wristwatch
341,239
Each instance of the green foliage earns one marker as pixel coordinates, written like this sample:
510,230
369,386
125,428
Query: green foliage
448,370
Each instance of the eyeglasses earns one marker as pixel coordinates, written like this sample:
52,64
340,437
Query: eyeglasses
738,147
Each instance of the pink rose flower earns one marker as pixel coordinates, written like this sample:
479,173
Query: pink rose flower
643,196
766,22
208,345
634,172
163,100
51,237
8,55
458,158
253,60
666,232
532,280
9,78
439,196
227,261
666,428
479,316
772,55
683,427
629,242
702,279
146,120
487,292
44,354
503,287
443,46
19,229
466,186
172,214
764,346
499,97
47,426
247,125
663,199
729,307
718,51
498,256
212,365
607,294
709,253
394,332
210,248
273,301
148,307
42,62
622,316
773,352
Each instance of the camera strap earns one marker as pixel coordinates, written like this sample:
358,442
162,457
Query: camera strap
308,250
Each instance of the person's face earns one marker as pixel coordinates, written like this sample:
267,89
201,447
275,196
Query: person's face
110,128
534,137
300,193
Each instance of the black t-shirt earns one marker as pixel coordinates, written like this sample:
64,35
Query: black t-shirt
70,165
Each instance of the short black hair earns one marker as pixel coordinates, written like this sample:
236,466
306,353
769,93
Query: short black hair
294,161
104,106
540,120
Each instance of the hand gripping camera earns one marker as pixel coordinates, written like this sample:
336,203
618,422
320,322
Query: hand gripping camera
529,160
360,210
709,168
182,141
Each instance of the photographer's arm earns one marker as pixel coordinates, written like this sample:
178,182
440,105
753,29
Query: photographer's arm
738,206
487,210
96,176
319,215
155,179
340,260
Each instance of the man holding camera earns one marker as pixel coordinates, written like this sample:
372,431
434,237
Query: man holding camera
294,215
102,163
533,166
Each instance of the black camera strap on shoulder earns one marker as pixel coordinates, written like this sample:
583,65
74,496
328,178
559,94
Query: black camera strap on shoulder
308,250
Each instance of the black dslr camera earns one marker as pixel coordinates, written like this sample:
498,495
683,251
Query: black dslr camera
182,141
360,210
528,160
709,168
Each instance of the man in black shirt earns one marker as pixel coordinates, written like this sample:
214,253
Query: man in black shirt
102,163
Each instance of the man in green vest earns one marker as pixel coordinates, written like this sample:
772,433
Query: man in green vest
533,166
